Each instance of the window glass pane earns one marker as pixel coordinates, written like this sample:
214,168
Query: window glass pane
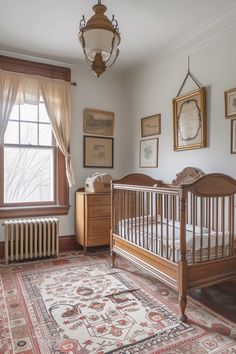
28,133
45,134
28,175
29,112
43,116
12,133
15,113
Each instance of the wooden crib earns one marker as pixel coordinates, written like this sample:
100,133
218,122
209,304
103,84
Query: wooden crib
183,232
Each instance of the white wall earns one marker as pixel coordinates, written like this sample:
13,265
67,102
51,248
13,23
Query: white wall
105,93
151,89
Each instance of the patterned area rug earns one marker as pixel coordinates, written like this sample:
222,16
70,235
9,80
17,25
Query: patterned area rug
79,305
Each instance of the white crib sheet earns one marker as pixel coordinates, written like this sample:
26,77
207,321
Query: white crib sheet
140,233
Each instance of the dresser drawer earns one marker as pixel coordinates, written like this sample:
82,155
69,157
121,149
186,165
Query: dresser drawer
99,227
99,210
98,199
98,232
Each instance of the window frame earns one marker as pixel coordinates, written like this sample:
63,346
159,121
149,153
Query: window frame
61,205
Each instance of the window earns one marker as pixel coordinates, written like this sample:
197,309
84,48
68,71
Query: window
32,168
29,157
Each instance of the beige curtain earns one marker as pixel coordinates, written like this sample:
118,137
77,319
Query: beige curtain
57,99
20,88
9,86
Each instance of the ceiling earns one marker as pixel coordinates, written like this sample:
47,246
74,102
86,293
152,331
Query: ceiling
48,28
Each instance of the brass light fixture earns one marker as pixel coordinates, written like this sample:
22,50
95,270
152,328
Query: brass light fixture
100,38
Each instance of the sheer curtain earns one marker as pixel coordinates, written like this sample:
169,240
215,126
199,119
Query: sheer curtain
21,88
56,96
9,86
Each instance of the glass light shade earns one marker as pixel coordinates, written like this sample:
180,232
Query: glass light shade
99,41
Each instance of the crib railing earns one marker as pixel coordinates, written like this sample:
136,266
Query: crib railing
151,218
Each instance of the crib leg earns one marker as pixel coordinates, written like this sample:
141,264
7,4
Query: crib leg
113,258
183,279
183,304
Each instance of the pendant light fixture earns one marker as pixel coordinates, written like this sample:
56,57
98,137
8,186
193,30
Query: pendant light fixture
99,38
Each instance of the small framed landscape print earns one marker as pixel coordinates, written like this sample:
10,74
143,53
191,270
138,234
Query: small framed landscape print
189,120
233,136
98,122
148,153
230,103
98,152
151,125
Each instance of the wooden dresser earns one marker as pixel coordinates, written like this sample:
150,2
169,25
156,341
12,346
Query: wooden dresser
93,219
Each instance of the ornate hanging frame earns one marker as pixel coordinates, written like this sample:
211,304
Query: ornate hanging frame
189,116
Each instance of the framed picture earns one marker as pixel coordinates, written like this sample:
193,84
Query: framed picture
233,136
230,103
98,152
151,125
148,153
189,119
98,122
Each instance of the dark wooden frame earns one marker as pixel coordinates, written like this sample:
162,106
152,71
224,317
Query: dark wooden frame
102,132
85,151
151,118
61,207
179,275
202,111
233,135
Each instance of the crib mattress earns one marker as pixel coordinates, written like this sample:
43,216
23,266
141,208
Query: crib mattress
157,237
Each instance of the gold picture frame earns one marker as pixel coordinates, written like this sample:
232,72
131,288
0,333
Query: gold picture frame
189,120
149,153
230,103
98,152
151,125
233,136
98,122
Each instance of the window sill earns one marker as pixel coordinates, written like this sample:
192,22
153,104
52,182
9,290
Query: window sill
42,210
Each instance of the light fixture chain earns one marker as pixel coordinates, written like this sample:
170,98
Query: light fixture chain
82,23
114,23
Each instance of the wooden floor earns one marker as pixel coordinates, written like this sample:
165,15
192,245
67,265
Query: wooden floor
219,298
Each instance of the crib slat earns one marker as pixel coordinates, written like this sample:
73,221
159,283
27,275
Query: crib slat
151,220
194,223
146,226
231,225
135,217
125,213
143,199
201,228
161,202
217,229
209,228
156,219
223,225
167,225
128,212
173,197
